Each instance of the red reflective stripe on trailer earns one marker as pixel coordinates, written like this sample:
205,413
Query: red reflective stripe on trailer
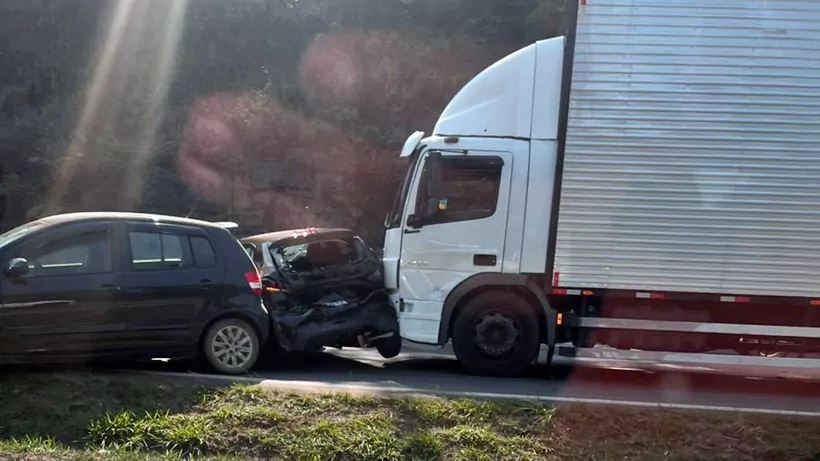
644,295
735,299
556,276
559,291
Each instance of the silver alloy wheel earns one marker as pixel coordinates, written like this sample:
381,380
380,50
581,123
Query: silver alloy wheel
232,346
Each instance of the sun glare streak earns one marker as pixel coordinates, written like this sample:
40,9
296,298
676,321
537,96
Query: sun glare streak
167,49
79,139
125,98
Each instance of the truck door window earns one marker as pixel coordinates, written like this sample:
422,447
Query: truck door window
469,186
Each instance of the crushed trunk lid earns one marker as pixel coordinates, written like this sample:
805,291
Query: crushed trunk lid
326,289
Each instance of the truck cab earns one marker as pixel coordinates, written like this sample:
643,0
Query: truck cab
469,224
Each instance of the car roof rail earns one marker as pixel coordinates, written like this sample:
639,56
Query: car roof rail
229,225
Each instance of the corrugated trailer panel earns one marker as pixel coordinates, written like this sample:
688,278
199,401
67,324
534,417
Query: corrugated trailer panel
692,160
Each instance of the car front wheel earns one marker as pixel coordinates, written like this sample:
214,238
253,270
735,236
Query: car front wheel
231,346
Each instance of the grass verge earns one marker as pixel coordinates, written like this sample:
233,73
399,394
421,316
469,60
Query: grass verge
79,416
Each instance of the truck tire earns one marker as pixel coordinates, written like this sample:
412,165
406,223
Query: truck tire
231,346
496,334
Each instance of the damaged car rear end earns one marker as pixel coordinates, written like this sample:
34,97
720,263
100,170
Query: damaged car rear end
324,288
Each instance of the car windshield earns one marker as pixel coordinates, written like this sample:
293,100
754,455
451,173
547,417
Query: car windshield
19,232
311,256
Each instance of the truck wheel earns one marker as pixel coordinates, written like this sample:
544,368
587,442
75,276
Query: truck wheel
496,334
231,346
389,347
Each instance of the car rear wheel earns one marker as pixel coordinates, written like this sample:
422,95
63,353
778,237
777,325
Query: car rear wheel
231,346
389,347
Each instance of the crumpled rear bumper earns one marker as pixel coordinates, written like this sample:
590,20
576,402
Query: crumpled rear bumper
316,327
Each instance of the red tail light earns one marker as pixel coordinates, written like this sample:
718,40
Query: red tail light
254,282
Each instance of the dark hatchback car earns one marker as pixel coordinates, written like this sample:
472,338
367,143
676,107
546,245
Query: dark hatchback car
129,286
324,288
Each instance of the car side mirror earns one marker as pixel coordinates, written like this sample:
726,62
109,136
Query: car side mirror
17,267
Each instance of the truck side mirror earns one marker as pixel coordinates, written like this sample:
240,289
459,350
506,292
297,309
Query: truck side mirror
414,221
434,190
16,268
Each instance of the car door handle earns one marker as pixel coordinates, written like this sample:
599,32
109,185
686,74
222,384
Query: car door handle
205,284
111,288
412,231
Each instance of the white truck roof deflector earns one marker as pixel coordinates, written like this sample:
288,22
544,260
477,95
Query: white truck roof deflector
506,100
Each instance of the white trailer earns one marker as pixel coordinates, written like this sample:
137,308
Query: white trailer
649,181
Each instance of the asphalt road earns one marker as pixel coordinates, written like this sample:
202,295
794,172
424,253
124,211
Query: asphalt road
425,372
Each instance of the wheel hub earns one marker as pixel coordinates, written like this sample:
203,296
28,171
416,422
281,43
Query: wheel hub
496,334
232,346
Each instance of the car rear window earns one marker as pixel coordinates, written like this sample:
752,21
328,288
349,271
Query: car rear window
204,255
308,257
153,251
159,251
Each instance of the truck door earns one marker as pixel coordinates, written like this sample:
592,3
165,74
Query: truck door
454,226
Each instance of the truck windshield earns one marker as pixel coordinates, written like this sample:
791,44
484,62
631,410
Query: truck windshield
393,219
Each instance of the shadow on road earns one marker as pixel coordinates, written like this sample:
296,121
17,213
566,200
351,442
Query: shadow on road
442,372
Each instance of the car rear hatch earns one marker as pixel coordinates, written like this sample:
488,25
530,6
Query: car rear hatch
316,265
335,291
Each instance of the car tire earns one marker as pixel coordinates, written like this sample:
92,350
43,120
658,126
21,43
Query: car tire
231,346
389,347
508,314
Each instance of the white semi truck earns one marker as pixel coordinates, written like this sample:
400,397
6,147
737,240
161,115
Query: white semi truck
647,185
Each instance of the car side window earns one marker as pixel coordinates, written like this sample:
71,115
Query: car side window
157,251
84,254
469,188
203,252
